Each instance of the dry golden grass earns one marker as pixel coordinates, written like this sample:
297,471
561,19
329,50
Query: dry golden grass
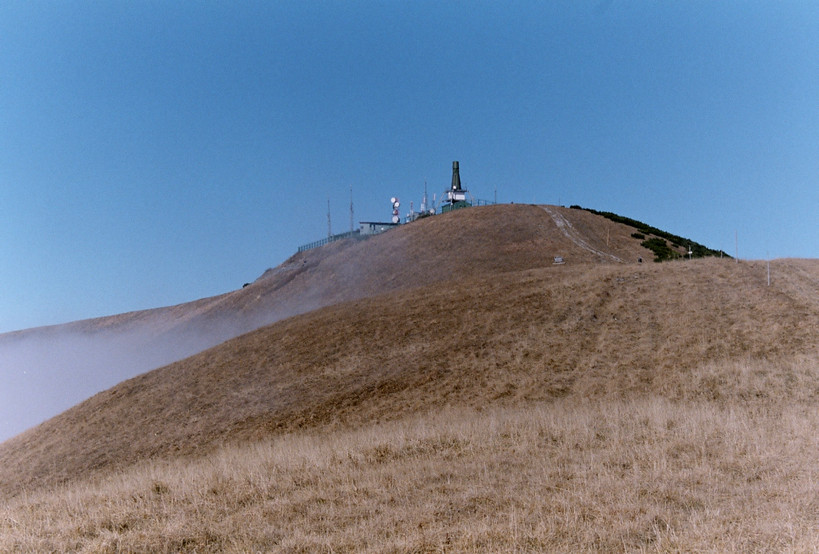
482,400
568,475
586,331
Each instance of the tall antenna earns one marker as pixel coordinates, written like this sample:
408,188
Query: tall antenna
351,209
329,227
424,201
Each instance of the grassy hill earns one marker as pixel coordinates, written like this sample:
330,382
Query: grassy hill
434,250
446,387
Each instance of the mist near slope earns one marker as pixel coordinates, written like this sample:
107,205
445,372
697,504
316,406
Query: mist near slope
46,371
41,376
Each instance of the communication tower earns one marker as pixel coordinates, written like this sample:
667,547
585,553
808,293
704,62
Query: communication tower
424,200
456,195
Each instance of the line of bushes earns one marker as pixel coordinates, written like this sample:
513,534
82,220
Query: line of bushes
661,250
697,250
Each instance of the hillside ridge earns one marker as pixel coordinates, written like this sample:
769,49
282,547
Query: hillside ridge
522,336
457,245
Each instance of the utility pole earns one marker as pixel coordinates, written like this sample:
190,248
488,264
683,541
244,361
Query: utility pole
351,209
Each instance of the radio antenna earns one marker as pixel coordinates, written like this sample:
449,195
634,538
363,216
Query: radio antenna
329,227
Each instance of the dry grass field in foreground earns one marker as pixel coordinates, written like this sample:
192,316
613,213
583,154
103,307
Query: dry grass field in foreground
607,475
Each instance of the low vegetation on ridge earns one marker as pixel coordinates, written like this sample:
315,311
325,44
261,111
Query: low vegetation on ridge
658,244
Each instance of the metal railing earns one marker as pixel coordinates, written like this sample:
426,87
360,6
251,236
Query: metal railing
479,202
328,240
350,234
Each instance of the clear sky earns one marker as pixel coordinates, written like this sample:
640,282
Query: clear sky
156,152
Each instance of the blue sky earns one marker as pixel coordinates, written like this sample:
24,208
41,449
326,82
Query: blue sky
156,152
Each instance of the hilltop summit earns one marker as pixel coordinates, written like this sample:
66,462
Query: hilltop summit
467,308
85,357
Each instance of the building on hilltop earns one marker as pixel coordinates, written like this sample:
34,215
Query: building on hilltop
375,227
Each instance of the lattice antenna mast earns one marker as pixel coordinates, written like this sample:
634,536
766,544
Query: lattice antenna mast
424,201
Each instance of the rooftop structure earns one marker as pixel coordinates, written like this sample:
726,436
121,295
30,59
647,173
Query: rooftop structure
456,195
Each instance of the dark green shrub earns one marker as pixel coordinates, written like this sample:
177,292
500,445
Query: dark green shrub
661,250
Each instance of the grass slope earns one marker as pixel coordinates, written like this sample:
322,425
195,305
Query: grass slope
530,336
566,476
522,406
465,244
460,245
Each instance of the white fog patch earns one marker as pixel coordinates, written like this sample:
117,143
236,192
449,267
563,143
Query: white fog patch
47,370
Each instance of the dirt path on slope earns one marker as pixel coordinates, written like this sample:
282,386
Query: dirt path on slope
573,235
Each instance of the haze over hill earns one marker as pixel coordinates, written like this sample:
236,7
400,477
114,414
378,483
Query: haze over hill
47,370
418,317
